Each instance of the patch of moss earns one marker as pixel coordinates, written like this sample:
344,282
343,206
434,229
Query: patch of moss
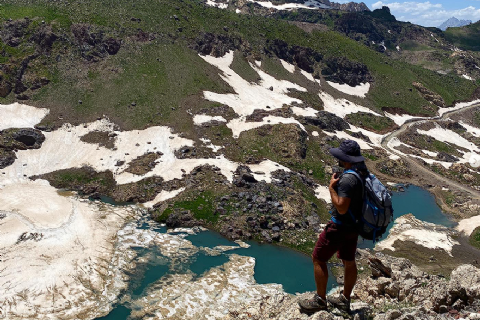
371,122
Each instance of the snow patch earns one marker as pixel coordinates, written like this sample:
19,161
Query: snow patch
468,77
304,112
342,107
322,192
315,133
270,92
163,196
220,5
428,235
469,225
430,153
240,124
309,4
400,119
200,119
288,66
449,136
458,106
18,115
360,91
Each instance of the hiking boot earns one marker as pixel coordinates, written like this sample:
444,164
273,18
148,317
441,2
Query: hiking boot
313,304
340,302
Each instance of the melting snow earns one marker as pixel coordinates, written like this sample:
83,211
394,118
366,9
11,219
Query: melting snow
200,119
467,77
469,225
400,119
220,5
360,91
239,125
322,192
458,106
309,4
18,115
250,96
449,136
304,112
342,107
290,67
407,228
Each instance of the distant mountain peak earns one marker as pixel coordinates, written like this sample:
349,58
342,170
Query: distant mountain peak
454,22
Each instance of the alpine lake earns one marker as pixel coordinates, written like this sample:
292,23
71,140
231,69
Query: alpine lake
273,264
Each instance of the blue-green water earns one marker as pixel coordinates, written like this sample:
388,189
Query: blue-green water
418,202
273,264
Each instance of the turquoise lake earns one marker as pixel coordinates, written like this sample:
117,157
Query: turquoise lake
273,264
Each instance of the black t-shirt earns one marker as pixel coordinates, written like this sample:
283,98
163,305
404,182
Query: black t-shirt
349,186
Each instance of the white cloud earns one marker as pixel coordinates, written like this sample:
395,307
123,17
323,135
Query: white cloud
427,13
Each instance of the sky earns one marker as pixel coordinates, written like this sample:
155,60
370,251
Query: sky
427,13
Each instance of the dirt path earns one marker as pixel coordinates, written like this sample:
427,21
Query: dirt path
439,179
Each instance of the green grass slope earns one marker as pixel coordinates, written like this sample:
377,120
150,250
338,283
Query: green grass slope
158,80
466,38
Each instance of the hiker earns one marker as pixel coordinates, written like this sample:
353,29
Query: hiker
340,234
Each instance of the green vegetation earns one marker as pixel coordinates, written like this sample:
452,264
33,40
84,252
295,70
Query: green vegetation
371,122
414,46
201,206
241,66
475,238
466,37
160,74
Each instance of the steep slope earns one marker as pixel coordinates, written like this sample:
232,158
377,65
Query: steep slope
466,37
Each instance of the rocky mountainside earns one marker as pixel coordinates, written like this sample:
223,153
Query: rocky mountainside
220,115
454,22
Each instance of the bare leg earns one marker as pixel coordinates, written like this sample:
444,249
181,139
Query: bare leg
350,278
321,277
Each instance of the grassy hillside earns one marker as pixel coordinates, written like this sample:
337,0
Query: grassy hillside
466,38
156,77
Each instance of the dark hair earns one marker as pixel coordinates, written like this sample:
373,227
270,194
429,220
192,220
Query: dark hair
361,168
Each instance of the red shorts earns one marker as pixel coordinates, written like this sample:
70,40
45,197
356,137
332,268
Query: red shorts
336,238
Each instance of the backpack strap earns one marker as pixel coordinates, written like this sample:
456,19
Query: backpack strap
353,172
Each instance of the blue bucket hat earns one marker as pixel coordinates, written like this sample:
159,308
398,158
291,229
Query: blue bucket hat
349,151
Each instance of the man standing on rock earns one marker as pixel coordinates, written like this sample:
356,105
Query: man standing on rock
339,235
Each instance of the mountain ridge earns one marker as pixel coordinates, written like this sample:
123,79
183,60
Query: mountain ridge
453,23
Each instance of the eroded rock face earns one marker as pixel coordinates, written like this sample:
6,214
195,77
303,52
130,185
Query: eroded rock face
217,45
7,157
18,139
429,95
341,70
328,121
304,58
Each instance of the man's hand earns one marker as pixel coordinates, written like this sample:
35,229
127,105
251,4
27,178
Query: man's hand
334,180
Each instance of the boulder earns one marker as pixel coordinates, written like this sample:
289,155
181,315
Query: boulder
328,121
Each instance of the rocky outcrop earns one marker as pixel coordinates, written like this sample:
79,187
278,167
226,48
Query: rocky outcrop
218,44
429,95
7,157
13,30
21,139
350,6
18,139
341,70
327,121
304,58
92,43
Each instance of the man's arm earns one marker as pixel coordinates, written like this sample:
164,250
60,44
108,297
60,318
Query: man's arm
340,203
